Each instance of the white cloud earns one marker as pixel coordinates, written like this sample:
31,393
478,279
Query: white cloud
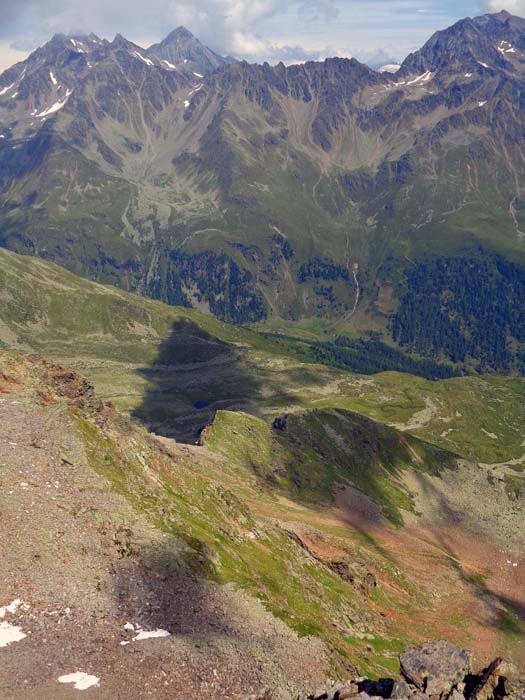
228,26
515,7
9,55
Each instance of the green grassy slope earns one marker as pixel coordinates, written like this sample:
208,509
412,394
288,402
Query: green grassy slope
159,361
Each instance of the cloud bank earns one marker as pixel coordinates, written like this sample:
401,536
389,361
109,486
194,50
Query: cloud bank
515,7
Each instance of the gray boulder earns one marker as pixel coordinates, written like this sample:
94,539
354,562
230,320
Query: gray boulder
435,667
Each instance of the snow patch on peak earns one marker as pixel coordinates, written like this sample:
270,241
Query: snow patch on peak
423,78
54,108
6,89
170,65
505,47
77,45
53,79
143,58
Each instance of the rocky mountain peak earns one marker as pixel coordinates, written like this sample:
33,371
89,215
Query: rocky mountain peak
178,35
121,42
463,45
494,41
181,48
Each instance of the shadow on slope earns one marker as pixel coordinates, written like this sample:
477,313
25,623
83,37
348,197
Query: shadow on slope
507,608
194,375
163,587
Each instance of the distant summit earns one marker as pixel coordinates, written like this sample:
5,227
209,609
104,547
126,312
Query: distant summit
181,47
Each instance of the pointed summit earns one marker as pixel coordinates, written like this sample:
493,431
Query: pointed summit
181,48
179,34
120,42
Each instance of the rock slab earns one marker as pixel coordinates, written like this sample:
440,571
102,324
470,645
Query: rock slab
435,667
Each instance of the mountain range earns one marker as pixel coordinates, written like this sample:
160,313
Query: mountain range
324,199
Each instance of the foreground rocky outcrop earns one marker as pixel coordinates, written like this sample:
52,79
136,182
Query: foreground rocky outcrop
436,670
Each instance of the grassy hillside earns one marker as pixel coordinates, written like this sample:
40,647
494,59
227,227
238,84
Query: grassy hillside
175,367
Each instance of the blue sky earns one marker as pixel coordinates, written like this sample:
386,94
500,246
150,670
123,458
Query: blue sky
273,30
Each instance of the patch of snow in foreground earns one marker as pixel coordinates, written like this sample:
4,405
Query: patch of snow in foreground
10,633
186,103
492,436
82,680
150,635
170,65
53,79
11,608
198,75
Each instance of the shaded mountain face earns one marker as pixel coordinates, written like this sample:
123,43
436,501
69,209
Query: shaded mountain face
259,193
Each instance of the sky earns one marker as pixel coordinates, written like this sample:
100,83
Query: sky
374,31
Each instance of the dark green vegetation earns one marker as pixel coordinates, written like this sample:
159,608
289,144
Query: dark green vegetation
366,357
466,309
284,194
